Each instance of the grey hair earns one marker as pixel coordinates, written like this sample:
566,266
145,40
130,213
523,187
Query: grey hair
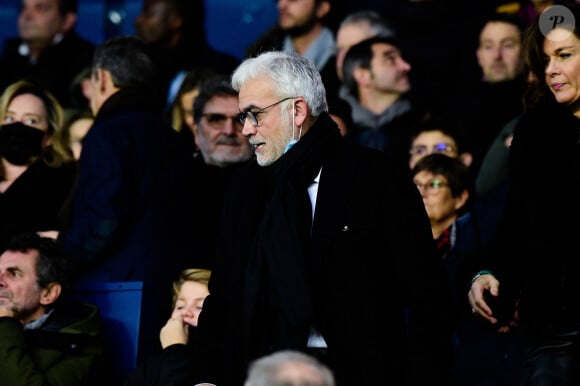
292,74
267,370
378,24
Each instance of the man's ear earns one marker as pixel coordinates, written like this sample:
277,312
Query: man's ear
99,79
105,84
69,22
361,76
50,294
300,111
461,200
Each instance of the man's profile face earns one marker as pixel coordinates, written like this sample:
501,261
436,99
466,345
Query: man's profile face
500,52
40,20
274,131
19,292
389,71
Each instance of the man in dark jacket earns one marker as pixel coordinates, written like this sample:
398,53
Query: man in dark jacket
131,212
48,49
304,27
175,32
377,86
306,232
44,340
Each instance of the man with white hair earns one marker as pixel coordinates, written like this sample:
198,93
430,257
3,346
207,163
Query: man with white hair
305,232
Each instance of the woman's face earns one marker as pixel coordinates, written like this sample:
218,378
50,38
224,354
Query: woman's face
28,109
31,111
562,71
438,199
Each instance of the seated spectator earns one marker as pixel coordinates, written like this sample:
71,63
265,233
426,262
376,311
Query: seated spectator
44,340
175,33
485,104
172,366
458,225
181,110
37,169
435,138
378,89
75,128
356,27
289,368
303,27
47,50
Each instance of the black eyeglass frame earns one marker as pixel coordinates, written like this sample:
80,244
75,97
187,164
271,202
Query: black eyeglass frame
253,115
218,120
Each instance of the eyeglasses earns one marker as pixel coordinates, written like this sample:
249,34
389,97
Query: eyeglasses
253,115
431,187
443,148
218,121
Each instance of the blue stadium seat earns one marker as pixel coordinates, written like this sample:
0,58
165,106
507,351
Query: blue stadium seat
120,306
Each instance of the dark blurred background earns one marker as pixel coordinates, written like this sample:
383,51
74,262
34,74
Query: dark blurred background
230,24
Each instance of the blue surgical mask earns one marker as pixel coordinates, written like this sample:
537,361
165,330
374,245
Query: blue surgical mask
290,144
293,141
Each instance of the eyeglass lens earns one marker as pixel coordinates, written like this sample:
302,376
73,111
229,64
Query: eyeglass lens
253,115
218,120
437,148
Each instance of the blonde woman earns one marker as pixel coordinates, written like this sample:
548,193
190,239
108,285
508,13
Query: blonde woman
37,171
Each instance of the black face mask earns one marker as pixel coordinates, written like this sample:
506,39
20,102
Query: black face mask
19,143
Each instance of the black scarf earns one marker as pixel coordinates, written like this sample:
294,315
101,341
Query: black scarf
279,309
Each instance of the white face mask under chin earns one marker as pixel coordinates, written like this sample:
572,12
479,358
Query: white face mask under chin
293,140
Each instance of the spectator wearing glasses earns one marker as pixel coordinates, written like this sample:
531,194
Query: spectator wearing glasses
221,144
299,219
482,355
437,138
181,111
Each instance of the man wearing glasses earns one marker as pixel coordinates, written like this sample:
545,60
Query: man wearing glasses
218,136
437,138
306,231
217,128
